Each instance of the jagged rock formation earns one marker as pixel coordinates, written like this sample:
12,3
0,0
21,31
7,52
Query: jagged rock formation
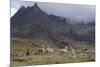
32,22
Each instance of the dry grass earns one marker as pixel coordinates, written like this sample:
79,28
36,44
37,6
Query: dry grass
18,59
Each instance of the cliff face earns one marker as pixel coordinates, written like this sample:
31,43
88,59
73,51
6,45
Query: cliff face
33,23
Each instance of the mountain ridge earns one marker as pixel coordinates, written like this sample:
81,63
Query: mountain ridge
34,23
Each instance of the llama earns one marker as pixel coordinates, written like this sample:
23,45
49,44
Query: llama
41,50
28,52
48,50
63,51
73,53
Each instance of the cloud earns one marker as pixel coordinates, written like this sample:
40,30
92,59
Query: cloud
13,11
73,11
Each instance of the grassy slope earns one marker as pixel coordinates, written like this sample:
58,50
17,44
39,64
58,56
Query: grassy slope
19,45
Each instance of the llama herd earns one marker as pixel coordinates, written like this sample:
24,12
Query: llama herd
48,50
65,50
44,50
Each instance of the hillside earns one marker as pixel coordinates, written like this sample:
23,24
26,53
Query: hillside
33,23
19,47
32,28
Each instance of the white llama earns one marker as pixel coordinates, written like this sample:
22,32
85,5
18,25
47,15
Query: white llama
73,53
63,51
48,50
41,50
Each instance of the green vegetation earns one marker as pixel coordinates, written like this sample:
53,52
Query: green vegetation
20,45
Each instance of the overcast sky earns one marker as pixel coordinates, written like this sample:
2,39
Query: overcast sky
73,11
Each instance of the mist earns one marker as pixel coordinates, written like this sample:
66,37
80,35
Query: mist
75,12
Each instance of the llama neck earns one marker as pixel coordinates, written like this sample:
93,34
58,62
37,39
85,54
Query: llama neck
66,48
